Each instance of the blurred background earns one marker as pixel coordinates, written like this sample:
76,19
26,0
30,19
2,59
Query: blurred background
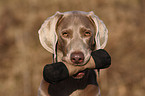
22,58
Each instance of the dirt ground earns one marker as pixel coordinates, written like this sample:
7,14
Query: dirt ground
22,57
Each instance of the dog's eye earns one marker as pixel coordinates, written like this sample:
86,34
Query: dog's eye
87,33
65,34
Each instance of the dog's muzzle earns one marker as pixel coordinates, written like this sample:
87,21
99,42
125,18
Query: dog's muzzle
77,58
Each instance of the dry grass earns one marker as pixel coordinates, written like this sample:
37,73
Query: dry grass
22,57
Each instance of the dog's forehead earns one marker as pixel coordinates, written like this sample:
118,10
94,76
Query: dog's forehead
75,18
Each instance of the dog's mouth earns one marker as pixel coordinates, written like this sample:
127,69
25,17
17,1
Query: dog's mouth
80,75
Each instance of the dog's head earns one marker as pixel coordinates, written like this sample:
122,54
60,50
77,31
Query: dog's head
76,35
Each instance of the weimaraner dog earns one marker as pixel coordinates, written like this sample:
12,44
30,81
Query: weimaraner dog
71,37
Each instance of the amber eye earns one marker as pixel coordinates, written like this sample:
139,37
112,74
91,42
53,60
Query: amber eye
87,33
64,34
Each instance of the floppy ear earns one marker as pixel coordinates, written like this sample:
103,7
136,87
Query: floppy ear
47,32
101,31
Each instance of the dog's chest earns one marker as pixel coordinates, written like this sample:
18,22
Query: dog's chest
90,90
87,86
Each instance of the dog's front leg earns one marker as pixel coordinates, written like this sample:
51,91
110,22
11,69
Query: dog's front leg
43,89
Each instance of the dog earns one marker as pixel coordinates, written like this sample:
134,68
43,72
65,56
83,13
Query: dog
71,37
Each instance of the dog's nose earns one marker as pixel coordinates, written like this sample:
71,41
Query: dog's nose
77,57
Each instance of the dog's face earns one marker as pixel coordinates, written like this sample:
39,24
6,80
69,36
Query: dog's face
76,34
76,38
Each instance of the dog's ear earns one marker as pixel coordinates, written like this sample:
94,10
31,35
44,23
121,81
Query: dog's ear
101,31
47,32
